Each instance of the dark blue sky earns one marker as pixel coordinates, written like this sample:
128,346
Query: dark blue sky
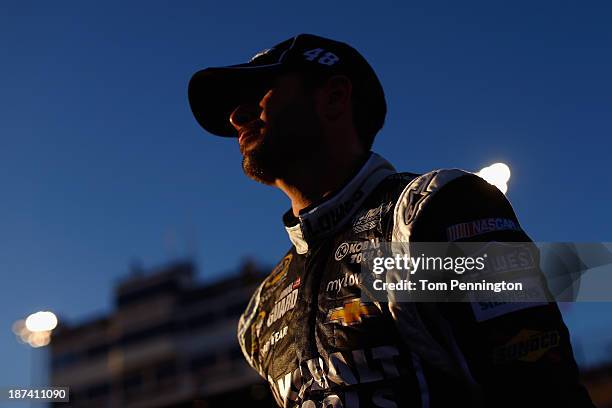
102,163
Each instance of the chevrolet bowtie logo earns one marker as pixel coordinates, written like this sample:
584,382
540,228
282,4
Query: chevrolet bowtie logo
352,312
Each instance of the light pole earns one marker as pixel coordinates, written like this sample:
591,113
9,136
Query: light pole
35,330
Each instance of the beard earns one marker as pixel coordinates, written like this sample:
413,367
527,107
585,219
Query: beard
258,162
291,140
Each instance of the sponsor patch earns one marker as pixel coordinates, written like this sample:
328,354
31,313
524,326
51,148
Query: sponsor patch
510,260
502,303
328,220
352,312
279,272
341,368
255,330
275,337
371,218
347,280
477,227
518,259
418,190
286,302
527,346
489,310
356,250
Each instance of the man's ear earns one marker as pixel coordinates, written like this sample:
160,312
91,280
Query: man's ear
335,97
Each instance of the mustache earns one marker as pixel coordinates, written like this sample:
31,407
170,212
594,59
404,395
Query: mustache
253,126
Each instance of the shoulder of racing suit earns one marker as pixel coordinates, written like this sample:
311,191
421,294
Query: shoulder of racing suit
416,196
495,348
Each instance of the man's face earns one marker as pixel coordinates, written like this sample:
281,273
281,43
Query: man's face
277,130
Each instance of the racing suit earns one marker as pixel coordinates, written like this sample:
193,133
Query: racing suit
308,332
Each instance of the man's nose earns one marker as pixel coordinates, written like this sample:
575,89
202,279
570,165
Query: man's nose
244,114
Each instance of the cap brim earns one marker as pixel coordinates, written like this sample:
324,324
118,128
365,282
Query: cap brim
214,93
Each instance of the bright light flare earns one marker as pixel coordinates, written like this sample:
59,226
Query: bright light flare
41,322
497,174
40,339
36,329
20,329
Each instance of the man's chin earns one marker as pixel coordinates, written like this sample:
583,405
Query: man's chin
257,171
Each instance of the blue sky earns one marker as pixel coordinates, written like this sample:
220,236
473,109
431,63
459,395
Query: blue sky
102,164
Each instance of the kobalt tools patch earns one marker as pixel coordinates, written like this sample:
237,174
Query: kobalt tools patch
355,249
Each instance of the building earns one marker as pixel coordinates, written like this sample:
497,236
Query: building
170,342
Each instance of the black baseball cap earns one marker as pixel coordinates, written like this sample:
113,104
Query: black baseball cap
215,92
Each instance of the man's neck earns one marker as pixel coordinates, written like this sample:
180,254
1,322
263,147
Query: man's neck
307,183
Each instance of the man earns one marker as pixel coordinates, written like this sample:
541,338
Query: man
305,113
